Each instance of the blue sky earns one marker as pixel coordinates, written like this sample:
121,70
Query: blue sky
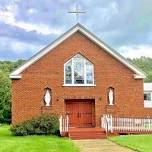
26,26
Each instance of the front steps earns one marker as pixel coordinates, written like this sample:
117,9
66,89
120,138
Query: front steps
86,133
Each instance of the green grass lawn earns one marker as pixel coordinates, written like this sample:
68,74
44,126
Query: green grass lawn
141,143
10,143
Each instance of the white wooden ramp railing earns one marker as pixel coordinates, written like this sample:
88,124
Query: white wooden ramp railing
123,124
64,124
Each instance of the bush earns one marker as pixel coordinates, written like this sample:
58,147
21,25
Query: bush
42,125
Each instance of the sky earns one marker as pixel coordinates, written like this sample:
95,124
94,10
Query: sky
26,26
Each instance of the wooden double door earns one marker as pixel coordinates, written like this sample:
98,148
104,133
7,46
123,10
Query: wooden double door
81,112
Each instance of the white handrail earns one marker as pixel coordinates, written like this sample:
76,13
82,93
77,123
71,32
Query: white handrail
63,124
111,124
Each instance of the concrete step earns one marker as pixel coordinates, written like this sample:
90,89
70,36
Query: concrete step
87,133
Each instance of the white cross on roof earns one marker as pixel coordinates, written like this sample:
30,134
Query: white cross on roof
77,12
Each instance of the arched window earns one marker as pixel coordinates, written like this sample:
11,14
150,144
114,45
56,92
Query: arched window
78,71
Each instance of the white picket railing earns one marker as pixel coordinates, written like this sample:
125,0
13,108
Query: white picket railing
106,122
119,124
63,124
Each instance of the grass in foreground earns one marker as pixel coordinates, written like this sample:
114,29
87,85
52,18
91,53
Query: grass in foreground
9,143
141,143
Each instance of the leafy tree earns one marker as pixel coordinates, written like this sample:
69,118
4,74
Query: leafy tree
149,76
5,89
5,97
144,63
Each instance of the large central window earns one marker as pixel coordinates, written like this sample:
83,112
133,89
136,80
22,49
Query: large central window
78,71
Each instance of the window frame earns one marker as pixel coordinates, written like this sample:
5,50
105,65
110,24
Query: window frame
148,103
72,73
148,93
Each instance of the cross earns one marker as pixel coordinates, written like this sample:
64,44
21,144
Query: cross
77,12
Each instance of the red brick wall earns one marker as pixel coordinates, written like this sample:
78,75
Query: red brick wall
27,93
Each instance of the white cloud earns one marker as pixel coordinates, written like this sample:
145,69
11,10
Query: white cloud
109,11
136,51
32,11
8,16
19,47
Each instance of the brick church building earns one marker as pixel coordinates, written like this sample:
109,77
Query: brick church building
80,76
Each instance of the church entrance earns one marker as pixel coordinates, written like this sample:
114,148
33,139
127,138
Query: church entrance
81,112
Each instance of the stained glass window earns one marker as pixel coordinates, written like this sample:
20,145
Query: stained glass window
79,70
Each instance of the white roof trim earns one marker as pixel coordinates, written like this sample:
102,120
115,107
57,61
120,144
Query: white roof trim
136,76
15,76
80,28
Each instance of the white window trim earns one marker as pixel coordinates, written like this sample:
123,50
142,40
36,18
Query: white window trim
85,81
71,71
78,85
148,103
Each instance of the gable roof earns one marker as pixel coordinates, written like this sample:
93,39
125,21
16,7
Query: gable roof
16,74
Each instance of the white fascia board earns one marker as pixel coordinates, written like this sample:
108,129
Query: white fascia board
15,76
114,54
136,76
84,31
43,52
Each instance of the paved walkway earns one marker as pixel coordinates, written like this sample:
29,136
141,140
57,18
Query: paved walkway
99,145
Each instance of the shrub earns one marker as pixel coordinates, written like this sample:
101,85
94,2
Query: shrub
42,125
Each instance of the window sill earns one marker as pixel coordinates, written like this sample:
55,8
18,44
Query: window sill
110,105
79,85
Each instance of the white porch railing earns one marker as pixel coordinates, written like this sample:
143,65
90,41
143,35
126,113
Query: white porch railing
106,122
63,124
111,124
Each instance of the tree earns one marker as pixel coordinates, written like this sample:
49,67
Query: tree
145,64
5,88
5,97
